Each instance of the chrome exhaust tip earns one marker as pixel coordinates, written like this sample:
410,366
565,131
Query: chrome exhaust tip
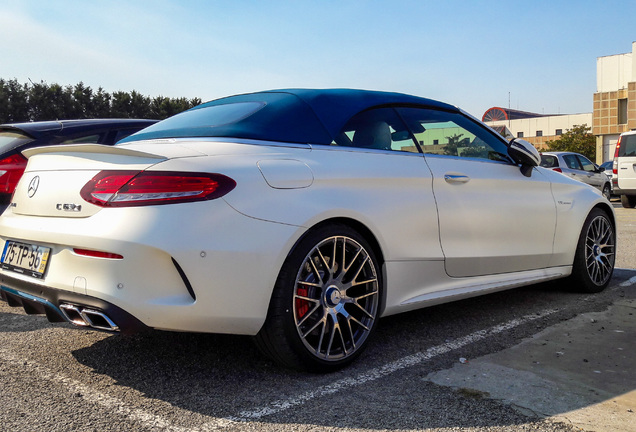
85,317
74,315
98,320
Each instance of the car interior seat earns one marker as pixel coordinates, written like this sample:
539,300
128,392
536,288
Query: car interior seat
376,135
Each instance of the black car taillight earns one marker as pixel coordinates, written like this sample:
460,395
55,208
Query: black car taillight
143,188
11,169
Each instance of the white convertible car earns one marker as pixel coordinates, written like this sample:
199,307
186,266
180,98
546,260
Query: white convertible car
297,216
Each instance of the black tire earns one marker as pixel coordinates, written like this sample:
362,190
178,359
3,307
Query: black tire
323,310
595,254
628,201
607,191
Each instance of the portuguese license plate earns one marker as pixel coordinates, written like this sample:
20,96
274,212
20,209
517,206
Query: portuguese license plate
28,259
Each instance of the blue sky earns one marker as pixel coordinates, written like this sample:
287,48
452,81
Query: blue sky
473,54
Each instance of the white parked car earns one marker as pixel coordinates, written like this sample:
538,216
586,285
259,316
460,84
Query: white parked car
624,169
297,216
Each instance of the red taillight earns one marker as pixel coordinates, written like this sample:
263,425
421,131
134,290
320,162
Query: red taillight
557,170
11,169
615,165
618,146
97,254
142,188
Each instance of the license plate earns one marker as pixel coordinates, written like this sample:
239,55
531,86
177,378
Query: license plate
28,259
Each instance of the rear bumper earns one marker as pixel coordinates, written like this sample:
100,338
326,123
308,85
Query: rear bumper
618,191
63,306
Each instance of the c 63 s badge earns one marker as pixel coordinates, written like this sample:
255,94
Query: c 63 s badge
69,207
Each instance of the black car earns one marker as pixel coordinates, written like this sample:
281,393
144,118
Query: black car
16,137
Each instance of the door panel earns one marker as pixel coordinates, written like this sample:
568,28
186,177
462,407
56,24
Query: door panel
492,218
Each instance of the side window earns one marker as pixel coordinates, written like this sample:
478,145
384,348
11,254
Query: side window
587,164
123,133
380,129
572,162
87,139
453,134
549,161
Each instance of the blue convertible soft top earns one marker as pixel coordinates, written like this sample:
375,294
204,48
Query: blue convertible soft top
293,115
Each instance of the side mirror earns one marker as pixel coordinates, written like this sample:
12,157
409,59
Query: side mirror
524,154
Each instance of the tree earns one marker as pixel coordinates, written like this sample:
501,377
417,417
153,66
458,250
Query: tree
14,102
579,139
83,99
43,101
101,104
453,144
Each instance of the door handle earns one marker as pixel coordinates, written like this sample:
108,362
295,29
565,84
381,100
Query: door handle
456,178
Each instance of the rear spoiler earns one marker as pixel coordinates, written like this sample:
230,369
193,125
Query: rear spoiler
89,148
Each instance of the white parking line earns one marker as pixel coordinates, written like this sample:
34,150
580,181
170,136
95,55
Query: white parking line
628,282
412,360
387,369
90,395
158,423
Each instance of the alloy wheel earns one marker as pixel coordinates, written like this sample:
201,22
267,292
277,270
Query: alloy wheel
336,298
599,250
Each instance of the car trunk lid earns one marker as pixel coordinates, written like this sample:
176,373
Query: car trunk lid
55,175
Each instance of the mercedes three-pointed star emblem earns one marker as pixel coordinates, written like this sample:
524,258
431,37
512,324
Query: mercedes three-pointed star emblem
33,186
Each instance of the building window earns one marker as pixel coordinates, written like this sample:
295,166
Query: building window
435,142
519,134
559,132
539,133
622,111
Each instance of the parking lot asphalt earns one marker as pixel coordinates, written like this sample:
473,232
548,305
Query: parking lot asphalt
538,358
580,371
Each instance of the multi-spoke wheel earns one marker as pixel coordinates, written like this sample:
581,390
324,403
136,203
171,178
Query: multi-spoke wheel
607,191
595,254
326,302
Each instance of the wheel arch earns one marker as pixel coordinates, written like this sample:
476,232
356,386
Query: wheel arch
607,208
283,344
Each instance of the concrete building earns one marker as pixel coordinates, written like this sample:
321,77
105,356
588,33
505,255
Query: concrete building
614,101
614,110
535,128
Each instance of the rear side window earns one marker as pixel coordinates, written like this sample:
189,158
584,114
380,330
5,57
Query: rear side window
549,161
628,146
379,129
123,133
12,139
85,139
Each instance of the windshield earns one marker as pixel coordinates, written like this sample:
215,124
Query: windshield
12,139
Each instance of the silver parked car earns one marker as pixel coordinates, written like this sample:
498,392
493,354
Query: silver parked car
578,167
608,167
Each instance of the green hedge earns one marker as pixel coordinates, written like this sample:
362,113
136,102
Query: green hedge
42,101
